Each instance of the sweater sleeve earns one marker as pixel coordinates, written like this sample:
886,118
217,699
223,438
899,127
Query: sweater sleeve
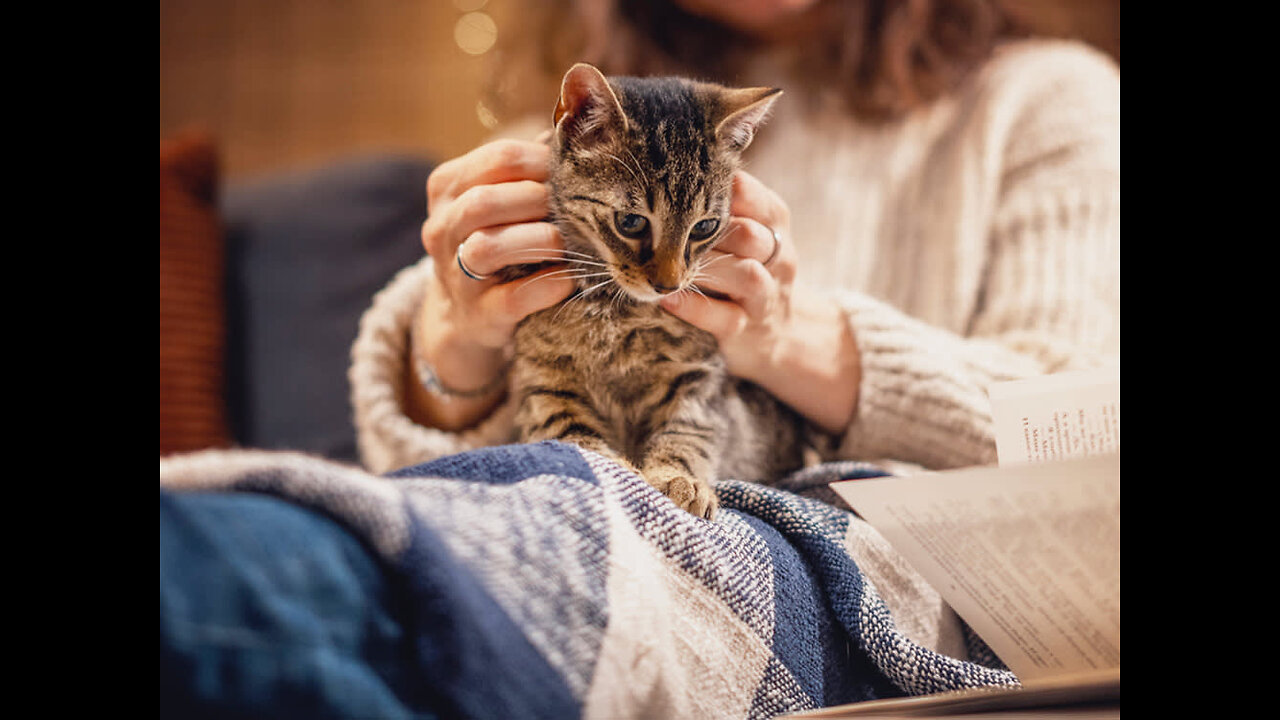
1049,299
387,438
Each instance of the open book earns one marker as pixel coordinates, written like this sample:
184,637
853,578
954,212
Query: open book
1027,553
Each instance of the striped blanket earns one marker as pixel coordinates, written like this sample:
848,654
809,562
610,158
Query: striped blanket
551,583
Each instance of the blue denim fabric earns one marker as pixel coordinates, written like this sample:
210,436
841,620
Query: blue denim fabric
270,610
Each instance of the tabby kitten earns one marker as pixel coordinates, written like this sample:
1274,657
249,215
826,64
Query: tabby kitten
641,180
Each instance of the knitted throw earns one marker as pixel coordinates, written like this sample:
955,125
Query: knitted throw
545,581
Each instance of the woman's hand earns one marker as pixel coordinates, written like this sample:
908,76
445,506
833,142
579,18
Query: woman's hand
794,345
487,208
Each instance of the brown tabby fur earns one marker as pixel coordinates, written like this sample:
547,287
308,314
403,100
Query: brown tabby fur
609,369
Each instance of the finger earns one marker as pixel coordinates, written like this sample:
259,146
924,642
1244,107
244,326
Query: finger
509,303
496,162
487,206
490,249
745,282
722,318
753,199
748,238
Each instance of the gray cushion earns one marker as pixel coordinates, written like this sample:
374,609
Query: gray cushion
306,253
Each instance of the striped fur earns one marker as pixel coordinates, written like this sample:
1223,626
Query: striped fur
608,369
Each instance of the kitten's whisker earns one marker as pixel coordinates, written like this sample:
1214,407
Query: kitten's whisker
589,276
564,261
597,285
553,273
703,264
572,273
590,259
698,290
579,297
566,304
562,251
578,254
633,159
634,174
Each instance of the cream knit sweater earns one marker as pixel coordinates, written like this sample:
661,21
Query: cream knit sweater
974,241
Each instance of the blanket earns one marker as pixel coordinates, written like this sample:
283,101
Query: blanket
549,582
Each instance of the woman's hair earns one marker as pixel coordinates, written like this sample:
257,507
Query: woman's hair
881,58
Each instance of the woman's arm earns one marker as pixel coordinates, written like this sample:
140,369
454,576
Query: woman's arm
1049,295
381,378
429,365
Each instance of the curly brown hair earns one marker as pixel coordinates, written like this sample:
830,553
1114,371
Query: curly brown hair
881,58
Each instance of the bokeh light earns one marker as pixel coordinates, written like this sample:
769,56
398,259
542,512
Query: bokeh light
475,33
486,116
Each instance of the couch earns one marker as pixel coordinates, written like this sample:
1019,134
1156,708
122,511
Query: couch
262,284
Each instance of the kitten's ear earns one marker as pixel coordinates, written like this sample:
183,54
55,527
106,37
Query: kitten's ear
588,111
742,111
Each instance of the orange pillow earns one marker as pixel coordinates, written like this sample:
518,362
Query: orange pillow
193,412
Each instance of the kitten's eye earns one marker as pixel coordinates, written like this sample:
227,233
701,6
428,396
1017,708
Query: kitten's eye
704,229
631,225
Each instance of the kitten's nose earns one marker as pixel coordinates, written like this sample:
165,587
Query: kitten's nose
665,289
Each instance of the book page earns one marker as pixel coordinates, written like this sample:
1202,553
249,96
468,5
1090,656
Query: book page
1053,417
1028,555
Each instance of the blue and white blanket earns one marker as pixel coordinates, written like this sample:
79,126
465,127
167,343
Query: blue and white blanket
552,583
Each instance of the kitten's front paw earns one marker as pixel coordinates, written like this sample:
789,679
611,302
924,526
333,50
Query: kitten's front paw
688,493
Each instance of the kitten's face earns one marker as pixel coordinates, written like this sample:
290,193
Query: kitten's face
642,175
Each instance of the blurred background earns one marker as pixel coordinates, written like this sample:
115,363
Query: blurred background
284,84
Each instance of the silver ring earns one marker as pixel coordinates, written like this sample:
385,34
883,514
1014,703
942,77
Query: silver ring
777,246
457,254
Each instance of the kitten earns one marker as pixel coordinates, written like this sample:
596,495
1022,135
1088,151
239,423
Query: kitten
641,179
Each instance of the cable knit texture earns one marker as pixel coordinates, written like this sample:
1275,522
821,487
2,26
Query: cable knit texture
974,241
387,438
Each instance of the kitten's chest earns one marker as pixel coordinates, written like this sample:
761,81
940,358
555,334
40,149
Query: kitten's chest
621,350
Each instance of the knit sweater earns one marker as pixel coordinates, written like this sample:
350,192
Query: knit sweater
975,240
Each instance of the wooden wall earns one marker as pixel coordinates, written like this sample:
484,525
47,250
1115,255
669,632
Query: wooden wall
284,83
290,83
